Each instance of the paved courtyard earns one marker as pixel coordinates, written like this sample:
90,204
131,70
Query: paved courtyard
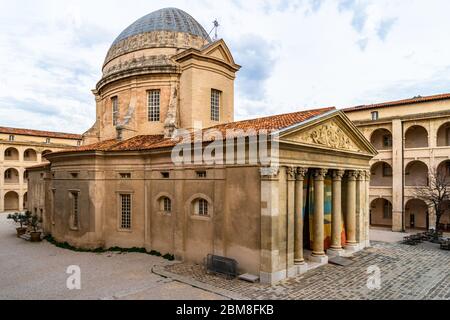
407,273
38,271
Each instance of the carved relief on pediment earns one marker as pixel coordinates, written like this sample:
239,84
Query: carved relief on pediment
328,134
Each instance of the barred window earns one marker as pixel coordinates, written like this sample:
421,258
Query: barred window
115,110
215,104
202,207
167,204
154,101
75,210
125,221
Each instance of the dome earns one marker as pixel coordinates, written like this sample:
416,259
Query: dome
168,19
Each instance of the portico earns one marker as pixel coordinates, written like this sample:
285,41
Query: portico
315,204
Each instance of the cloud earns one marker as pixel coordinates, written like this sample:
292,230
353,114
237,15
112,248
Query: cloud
254,54
295,54
385,27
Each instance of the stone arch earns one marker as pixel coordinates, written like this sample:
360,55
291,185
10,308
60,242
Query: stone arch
381,212
416,174
11,201
30,155
381,139
417,214
444,169
416,137
11,176
381,174
11,154
443,135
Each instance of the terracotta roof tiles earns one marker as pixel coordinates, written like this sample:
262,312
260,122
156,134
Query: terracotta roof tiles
38,133
150,142
417,99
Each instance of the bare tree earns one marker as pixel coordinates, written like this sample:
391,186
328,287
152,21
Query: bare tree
436,194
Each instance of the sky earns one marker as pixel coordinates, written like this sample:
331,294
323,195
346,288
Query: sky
295,54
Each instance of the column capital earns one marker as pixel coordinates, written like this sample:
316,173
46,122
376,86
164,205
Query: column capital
360,175
338,175
351,175
368,174
269,172
291,173
319,174
301,173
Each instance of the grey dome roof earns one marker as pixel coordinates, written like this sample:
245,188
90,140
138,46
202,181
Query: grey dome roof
168,19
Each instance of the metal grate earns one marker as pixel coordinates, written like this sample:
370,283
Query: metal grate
215,105
154,100
221,265
126,211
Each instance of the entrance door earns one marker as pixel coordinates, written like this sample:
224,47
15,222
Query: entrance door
412,221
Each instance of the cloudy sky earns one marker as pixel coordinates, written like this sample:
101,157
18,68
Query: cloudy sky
296,54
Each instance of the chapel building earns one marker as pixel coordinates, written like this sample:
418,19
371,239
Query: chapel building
122,188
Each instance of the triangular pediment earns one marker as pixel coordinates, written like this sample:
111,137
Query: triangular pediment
334,132
219,50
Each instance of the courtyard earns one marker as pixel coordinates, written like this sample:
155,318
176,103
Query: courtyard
38,271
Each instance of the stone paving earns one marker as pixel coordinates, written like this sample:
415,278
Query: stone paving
38,271
407,273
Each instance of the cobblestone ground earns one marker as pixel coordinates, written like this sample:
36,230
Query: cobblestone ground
414,273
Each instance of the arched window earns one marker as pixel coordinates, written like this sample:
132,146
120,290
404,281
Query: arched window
443,135
11,154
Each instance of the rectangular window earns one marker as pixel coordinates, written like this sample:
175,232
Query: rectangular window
375,115
201,174
47,140
215,104
165,175
154,102
11,138
167,205
387,141
75,210
125,176
115,110
202,207
125,211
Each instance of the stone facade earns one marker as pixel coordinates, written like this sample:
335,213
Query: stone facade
412,138
20,149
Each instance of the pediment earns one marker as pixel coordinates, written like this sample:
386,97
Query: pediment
334,133
220,51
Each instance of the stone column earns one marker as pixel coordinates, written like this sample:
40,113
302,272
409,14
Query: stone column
318,254
397,176
272,270
367,223
290,237
360,206
336,222
298,248
351,211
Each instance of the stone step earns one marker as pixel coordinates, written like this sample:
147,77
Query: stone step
26,237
